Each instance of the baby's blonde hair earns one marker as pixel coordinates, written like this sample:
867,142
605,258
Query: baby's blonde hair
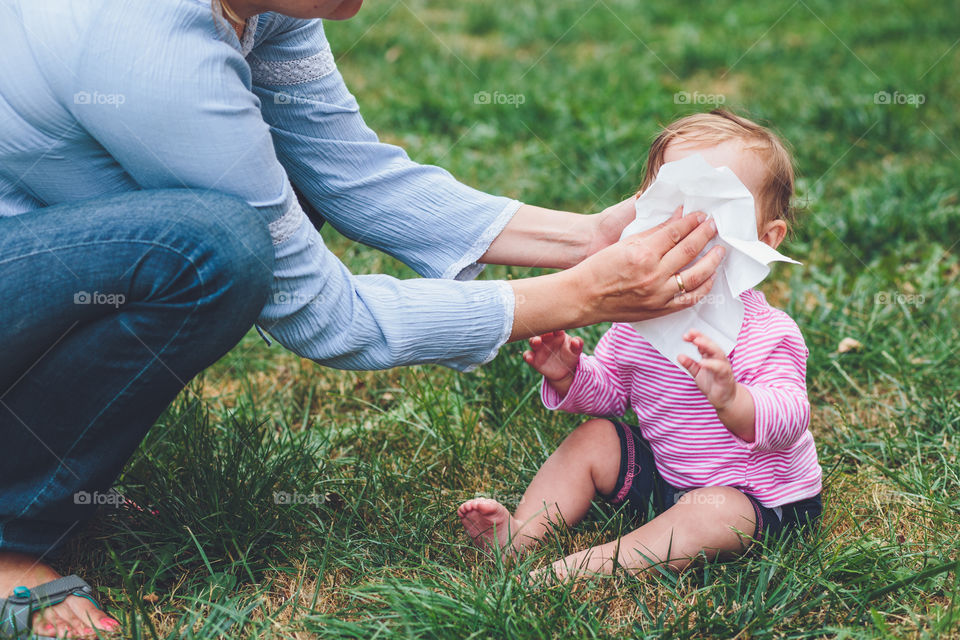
720,125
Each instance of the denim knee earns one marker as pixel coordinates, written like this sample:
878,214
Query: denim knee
244,246
236,254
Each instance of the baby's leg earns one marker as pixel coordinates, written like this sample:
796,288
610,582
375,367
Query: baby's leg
587,462
711,520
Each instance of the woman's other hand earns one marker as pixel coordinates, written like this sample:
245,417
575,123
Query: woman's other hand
610,223
634,279
637,278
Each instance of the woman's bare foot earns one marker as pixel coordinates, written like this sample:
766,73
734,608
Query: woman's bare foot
490,525
75,617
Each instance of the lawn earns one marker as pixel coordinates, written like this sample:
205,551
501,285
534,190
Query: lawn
298,501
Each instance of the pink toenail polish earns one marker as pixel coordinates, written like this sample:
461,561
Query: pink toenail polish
109,623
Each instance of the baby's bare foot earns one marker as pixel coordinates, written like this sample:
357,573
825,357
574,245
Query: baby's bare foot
489,524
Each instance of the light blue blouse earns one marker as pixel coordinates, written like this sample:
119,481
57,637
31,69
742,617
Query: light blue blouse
99,97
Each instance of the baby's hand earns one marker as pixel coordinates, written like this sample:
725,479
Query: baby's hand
555,355
713,374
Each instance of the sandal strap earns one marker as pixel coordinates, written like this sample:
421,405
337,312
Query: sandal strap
17,610
15,618
56,591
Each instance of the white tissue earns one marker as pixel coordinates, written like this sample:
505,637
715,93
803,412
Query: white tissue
717,192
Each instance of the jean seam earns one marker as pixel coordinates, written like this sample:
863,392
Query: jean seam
134,379
151,243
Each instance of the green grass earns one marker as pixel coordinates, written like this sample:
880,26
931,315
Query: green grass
384,458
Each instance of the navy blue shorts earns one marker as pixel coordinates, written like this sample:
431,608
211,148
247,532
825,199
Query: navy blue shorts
646,493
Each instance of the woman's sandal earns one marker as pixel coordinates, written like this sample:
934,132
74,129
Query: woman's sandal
16,612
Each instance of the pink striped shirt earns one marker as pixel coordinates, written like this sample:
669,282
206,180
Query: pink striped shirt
692,448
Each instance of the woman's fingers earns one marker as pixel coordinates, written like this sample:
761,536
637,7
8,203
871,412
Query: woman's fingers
690,298
697,273
635,279
676,215
672,232
689,247
679,242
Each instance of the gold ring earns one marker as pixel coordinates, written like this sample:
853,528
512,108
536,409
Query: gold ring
679,278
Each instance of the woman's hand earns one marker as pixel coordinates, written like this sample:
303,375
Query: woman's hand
555,356
609,224
538,237
631,280
636,278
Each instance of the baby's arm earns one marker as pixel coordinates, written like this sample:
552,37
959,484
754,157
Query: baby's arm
769,414
575,382
714,376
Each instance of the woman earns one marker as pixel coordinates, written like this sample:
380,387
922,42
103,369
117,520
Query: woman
148,158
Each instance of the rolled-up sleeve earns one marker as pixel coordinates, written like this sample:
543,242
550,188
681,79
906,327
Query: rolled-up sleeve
193,121
368,190
321,311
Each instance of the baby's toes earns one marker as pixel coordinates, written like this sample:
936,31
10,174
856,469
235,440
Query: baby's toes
467,507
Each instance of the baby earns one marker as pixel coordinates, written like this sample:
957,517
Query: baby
722,456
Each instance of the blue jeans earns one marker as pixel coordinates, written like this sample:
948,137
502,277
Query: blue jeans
109,307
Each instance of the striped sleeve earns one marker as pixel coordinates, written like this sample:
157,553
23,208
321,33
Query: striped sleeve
779,389
597,389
